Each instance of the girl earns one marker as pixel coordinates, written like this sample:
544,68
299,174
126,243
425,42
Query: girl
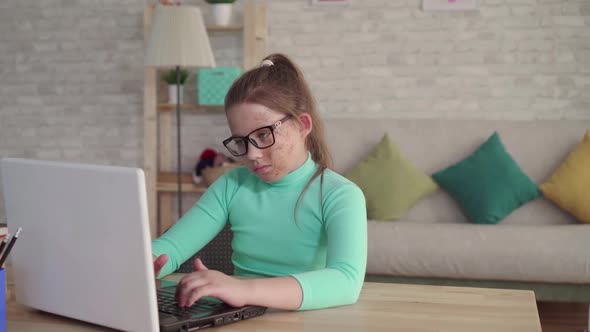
300,235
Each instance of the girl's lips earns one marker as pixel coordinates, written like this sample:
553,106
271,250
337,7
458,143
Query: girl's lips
261,169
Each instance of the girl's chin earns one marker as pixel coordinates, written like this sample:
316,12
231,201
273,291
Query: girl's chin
267,177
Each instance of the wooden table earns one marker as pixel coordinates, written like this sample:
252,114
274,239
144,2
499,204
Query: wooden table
381,307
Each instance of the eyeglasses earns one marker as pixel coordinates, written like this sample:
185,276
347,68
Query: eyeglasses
261,138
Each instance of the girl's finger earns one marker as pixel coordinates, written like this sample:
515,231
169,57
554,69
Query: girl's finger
159,263
199,266
189,285
196,294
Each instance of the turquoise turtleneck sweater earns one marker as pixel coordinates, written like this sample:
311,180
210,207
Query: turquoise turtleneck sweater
325,252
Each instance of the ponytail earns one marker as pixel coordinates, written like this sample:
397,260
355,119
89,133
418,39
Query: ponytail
279,85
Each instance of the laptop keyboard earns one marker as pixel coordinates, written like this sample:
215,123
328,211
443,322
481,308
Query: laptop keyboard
167,304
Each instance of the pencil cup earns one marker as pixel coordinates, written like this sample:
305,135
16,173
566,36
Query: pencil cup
2,300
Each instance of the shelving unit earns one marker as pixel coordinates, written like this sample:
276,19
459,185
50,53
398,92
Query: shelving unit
161,183
167,183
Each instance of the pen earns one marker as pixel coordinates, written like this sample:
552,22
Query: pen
10,245
3,244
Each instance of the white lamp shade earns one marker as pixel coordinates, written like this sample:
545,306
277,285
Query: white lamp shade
178,38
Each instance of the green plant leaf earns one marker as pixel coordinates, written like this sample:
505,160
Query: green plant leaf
170,76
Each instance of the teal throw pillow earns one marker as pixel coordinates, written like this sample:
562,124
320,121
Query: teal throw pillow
489,184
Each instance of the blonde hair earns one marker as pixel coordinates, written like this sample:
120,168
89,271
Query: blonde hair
279,85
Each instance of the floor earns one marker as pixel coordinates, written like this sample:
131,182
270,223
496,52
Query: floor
563,317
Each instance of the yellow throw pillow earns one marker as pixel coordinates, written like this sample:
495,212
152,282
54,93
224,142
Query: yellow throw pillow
569,185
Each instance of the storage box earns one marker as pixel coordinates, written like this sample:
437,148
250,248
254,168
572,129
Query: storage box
214,83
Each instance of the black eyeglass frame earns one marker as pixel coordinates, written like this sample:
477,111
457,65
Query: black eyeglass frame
247,138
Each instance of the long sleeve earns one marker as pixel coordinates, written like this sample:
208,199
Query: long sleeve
340,282
198,226
323,246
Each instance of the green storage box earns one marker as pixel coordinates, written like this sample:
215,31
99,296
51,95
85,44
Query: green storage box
214,83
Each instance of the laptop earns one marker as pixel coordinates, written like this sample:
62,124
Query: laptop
85,249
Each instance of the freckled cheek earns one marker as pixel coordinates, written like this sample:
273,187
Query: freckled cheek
280,156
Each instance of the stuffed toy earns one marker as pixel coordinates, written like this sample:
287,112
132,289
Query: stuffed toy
209,158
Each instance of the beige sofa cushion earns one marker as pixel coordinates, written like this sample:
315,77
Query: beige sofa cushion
548,253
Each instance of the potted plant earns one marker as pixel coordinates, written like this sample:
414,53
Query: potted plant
170,78
222,11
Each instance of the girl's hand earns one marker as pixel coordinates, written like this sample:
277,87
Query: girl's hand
159,263
205,282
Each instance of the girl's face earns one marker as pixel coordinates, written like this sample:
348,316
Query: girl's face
286,154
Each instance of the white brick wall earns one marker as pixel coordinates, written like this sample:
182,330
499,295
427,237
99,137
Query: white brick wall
68,83
511,59
71,71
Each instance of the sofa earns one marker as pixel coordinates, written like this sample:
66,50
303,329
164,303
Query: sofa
538,246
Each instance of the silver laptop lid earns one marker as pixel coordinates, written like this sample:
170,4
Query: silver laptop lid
84,251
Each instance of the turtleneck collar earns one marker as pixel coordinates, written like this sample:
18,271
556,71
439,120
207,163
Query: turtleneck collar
304,171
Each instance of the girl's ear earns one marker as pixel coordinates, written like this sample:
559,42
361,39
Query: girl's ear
306,124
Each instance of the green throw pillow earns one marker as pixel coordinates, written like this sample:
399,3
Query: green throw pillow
489,184
391,184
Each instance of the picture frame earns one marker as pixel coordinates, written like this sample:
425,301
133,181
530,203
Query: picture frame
449,5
